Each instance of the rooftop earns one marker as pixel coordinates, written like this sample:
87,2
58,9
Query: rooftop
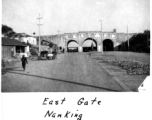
12,42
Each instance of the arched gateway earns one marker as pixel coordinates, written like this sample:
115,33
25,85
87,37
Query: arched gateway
95,36
91,46
108,45
102,42
71,48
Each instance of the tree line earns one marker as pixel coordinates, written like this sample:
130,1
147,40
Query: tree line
137,43
7,31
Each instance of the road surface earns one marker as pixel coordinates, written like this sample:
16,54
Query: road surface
71,72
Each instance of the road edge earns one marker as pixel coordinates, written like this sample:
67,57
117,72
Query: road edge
123,85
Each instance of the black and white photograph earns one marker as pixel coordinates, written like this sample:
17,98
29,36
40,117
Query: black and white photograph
75,60
75,45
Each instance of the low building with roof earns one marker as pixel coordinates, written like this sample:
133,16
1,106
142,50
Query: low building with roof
23,37
11,47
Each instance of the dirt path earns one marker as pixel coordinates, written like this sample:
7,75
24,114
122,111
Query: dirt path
73,72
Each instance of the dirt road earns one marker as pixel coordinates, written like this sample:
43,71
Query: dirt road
71,72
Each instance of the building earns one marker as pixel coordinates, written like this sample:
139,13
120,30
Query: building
11,47
23,37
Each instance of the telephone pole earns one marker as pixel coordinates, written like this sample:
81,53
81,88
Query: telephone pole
39,18
58,31
127,38
101,38
58,34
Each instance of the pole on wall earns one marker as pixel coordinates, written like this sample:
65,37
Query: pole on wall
127,38
58,36
39,18
101,39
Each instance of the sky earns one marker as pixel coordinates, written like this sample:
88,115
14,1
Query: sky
69,16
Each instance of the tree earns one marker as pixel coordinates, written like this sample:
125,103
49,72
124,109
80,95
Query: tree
147,32
7,31
11,34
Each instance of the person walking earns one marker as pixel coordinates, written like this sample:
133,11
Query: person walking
3,67
55,54
24,62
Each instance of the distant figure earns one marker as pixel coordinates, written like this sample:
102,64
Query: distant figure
3,67
39,54
55,54
24,62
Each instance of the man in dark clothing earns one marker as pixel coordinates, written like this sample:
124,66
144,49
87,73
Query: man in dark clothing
24,62
55,54
3,67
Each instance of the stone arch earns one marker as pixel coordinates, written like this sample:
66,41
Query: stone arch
108,45
72,41
94,48
72,49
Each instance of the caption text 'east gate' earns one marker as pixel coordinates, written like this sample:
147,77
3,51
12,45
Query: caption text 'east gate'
68,114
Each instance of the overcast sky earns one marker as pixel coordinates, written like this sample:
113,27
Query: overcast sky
76,15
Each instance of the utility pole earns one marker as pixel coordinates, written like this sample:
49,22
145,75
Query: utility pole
147,39
127,38
101,38
58,31
39,18
58,34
